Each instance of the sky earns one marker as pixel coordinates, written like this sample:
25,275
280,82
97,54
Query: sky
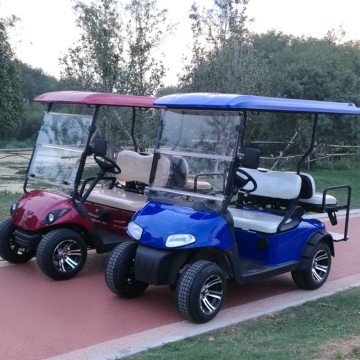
47,27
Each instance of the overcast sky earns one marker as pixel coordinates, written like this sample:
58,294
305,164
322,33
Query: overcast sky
47,28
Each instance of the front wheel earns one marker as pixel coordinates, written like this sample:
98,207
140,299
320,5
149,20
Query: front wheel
119,272
317,270
9,249
61,254
200,291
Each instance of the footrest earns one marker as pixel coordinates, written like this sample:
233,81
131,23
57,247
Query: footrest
337,236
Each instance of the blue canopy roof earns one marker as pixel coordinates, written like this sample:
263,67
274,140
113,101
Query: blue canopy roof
249,102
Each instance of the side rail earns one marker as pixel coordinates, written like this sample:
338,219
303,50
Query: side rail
332,209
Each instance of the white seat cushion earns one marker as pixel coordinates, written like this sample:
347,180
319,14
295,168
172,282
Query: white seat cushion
117,198
252,220
317,199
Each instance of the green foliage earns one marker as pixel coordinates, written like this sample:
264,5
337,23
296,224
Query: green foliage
223,58
6,200
12,104
116,53
145,31
35,82
96,62
113,57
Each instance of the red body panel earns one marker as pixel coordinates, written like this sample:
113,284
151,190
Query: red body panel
116,219
34,206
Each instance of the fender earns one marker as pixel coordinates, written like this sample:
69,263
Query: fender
310,244
34,207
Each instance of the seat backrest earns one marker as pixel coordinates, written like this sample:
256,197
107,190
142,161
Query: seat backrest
136,167
251,158
179,171
275,184
307,186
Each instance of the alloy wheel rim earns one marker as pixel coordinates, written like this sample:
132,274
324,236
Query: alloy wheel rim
320,265
211,294
67,255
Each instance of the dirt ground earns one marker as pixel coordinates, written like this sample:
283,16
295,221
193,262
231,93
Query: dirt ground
347,349
13,166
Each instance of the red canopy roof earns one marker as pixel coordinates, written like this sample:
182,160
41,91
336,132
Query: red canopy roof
93,98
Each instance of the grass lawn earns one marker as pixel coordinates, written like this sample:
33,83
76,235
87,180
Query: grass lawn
6,199
327,178
326,329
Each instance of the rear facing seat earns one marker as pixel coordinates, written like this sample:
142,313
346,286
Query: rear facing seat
310,199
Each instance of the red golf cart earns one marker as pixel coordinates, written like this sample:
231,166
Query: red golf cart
77,196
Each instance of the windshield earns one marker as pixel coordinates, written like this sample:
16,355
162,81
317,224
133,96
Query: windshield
195,151
61,141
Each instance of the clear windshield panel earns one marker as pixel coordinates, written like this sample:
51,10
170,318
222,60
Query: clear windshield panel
195,152
59,146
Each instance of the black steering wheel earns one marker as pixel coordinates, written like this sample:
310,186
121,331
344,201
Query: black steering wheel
243,178
107,165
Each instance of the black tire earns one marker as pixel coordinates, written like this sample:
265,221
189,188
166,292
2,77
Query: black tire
61,254
317,269
9,250
200,291
119,272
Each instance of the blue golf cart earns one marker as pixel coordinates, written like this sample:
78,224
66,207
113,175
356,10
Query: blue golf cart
212,213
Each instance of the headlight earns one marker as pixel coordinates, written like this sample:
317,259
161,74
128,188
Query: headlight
14,206
179,240
54,215
134,230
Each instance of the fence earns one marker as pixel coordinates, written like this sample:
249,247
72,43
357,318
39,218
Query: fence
14,163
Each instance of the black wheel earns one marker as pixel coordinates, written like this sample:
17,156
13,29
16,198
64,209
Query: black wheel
61,254
119,272
200,291
317,270
9,249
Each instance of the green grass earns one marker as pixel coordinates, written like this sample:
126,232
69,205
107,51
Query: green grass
328,328
6,200
327,178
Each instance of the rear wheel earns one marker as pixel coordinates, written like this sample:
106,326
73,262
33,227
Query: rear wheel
9,249
317,270
61,254
119,273
200,291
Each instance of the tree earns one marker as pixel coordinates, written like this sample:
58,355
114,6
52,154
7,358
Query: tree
112,58
223,58
318,69
145,32
12,105
96,62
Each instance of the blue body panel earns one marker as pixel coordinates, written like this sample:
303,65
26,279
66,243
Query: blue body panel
250,102
276,249
160,220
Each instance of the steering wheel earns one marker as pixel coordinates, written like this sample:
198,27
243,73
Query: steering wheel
243,178
107,165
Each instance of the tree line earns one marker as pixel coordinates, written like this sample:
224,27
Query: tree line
118,51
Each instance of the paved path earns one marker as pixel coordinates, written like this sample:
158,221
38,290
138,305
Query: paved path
81,319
